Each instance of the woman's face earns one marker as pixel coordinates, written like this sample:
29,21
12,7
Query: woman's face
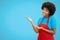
45,12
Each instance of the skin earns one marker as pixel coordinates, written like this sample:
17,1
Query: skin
45,13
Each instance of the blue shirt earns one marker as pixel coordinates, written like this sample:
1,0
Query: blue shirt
51,23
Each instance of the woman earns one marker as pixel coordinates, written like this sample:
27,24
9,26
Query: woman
47,24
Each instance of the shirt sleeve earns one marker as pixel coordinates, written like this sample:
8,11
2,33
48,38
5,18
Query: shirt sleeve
53,23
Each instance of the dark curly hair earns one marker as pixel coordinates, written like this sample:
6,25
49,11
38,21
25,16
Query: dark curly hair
50,6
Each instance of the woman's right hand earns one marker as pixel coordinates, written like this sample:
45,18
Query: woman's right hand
29,19
33,25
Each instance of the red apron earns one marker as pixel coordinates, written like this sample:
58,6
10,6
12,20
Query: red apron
43,35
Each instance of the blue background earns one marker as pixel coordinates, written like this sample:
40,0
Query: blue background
14,25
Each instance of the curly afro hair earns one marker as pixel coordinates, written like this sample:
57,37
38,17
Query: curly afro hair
50,6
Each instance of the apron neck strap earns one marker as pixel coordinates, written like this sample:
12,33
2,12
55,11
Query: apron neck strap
47,20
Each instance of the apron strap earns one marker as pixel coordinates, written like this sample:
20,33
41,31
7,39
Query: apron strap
42,20
47,20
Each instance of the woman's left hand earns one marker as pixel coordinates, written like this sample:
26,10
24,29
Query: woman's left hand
40,28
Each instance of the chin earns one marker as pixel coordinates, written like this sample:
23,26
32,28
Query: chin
44,15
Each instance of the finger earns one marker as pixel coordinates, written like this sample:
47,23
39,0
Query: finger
27,18
38,27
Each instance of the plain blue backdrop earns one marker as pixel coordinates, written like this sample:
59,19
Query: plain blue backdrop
14,25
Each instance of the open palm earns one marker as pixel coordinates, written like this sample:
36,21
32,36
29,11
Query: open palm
29,19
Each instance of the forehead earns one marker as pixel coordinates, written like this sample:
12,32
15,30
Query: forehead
46,9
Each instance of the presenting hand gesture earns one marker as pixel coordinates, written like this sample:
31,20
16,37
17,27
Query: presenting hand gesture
29,19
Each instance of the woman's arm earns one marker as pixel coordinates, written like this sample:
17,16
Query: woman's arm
33,25
53,31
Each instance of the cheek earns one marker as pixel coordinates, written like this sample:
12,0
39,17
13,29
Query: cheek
45,13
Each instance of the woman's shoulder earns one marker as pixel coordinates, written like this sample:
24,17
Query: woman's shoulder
53,22
52,18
